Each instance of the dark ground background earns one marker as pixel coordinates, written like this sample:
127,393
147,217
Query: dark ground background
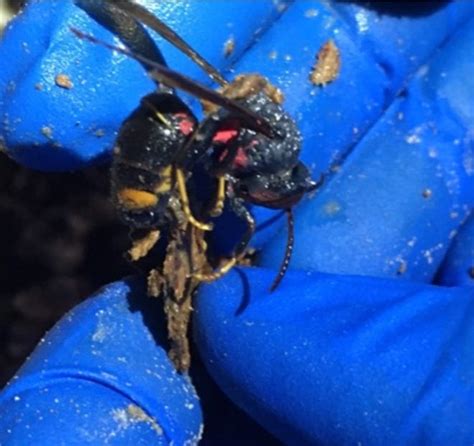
60,240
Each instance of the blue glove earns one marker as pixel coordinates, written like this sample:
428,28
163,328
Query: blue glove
351,353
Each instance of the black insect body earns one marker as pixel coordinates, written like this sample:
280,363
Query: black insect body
149,175
263,171
143,154
247,142
145,150
255,168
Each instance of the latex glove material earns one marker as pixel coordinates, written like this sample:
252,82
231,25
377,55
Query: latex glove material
99,378
87,137
457,268
387,362
238,339
412,171
371,77
332,360
102,376
77,126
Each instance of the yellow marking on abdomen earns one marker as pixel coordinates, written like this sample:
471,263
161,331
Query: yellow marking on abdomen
136,199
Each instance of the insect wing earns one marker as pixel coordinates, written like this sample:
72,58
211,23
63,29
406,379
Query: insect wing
144,16
171,78
130,31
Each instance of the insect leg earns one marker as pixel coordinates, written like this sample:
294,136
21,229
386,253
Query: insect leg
224,165
200,141
288,251
184,199
241,211
218,205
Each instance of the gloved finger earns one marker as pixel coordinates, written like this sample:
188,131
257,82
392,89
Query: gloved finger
85,136
330,359
93,136
63,100
400,196
379,50
102,376
458,266
334,363
224,422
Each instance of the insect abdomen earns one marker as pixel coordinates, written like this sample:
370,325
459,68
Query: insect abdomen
144,156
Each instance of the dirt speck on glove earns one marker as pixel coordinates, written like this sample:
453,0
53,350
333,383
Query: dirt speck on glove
328,64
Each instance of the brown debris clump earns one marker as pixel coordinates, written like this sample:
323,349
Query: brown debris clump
141,247
229,46
63,81
175,283
327,66
242,87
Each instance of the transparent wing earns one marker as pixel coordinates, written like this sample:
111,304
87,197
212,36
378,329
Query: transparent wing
142,15
163,74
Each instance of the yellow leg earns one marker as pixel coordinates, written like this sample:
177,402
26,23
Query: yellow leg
220,198
218,273
241,211
185,203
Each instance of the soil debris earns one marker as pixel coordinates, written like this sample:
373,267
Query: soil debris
175,283
64,81
327,66
141,247
229,46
